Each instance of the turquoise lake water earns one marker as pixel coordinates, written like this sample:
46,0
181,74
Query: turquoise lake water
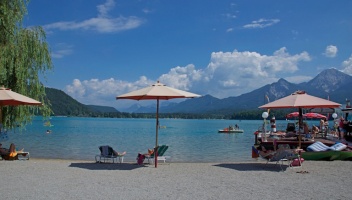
188,140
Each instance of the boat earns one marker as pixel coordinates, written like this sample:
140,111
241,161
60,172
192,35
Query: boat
327,155
231,129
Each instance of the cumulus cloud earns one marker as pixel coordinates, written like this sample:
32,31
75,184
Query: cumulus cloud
347,66
227,74
103,92
330,51
262,23
103,23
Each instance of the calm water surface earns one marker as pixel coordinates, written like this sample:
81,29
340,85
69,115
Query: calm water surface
188,140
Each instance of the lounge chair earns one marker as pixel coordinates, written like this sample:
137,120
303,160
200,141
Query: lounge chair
161,151
319,146
279,157
107,153
18,156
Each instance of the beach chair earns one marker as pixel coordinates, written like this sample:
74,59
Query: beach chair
281,157
107,153
18,156
161,151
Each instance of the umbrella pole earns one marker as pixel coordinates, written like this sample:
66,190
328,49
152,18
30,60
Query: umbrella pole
300,123
156,135
0,118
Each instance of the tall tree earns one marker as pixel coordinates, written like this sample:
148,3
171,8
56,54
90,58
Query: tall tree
24,56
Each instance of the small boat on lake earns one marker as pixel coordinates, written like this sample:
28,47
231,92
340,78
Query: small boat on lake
231,129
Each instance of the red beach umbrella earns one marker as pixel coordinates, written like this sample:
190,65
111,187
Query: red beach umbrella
314,115
292,115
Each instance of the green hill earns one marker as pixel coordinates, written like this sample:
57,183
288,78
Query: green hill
64,105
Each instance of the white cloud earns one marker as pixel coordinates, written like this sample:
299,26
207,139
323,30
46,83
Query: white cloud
103,92
347,66
227,74
330,51
262,23
230,16
298,79
102,23
229,30
61,50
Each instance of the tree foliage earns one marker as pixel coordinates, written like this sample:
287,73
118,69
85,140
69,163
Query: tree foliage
24,56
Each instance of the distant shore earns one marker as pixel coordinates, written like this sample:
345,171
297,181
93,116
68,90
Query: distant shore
77,179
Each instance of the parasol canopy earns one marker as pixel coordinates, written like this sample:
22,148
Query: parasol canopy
10,98
314,115
157,92
306,115
301,99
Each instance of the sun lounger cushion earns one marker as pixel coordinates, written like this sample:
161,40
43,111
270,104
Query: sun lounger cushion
339,146
319,146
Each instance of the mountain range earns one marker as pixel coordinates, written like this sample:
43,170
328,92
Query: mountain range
329,84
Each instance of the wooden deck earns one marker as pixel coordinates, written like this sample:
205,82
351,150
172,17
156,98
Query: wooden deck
294,143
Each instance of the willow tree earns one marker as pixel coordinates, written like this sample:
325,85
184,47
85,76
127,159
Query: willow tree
24,58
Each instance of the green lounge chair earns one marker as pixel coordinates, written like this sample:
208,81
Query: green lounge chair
161,151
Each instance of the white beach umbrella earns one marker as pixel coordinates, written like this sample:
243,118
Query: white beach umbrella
157,92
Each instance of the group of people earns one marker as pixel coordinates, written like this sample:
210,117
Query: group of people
323,128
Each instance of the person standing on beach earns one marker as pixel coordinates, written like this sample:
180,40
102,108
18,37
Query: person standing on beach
342,128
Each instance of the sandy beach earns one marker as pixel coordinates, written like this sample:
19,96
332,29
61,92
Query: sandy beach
75,179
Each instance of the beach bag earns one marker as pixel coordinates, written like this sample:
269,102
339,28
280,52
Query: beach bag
295,162
140,159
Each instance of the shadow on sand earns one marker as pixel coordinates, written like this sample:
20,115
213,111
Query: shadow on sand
107,166
253,166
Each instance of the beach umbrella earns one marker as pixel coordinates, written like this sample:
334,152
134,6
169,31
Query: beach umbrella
157,92
292,115
314,115
10,98
300,100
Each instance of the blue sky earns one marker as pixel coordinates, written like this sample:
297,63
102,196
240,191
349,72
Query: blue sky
104,48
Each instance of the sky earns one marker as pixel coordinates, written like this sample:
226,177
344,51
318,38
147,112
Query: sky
104,48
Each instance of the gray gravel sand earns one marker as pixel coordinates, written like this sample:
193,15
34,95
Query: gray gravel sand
74,179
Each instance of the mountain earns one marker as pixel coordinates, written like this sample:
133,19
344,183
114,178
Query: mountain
330,83
102,109
63,104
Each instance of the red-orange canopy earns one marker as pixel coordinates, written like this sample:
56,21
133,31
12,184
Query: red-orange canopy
301,99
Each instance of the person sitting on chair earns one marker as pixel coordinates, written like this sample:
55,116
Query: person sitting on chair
119,154
280,152
315,131
11,152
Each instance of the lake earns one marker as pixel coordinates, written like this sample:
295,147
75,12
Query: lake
189,140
